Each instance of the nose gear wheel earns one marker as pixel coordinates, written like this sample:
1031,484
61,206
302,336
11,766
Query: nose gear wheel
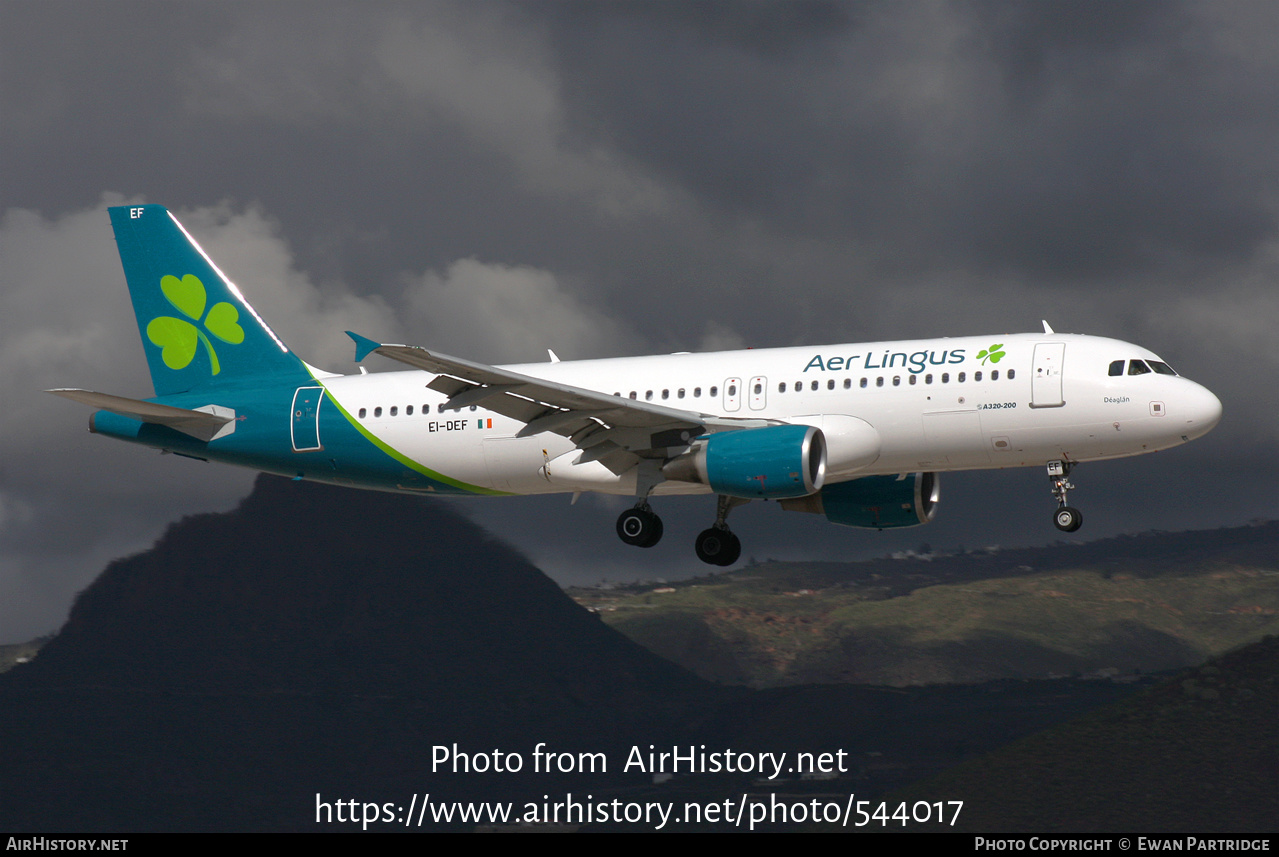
1066,518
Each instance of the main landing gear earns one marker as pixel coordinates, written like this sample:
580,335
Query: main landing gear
1066,518
718,545
640,526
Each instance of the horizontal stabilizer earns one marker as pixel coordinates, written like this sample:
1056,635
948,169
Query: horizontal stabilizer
207,423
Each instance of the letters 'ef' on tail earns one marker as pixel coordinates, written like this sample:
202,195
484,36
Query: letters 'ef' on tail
197,329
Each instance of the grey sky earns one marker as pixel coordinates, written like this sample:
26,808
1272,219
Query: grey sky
617,178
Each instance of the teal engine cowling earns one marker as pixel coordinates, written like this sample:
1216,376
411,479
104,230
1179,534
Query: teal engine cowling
875,502
771,461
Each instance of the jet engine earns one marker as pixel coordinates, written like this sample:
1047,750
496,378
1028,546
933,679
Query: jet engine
874,502
772,461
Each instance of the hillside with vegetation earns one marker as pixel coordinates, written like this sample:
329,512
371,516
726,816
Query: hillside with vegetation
1116,607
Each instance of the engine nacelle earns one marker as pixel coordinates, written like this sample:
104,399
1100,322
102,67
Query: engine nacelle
772,461
875,502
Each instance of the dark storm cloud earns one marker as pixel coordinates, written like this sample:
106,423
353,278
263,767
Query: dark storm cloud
1064,141
611,178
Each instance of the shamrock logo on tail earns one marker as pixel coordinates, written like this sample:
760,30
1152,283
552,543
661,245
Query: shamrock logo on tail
994,354
178,337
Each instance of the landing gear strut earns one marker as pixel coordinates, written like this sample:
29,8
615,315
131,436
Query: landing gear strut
718,545
639,525
1066,518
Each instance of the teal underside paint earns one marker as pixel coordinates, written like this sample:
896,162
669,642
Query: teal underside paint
410,475
262,440
873,502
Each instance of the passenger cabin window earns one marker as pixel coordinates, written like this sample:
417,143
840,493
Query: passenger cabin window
863,383
394,410
697,392
960,378
1137,367
759,388
1116,368
732,389
666,394
377,412
814,386
680,393
714,391
408,412
994,376
830,385
781,388
848,383
976,376
1012,373
363,412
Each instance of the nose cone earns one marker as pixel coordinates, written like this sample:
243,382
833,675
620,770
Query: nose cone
1199,409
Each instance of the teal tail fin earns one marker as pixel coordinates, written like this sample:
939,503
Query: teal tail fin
197,329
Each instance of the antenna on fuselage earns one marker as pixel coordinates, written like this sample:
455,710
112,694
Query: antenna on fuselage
1048,329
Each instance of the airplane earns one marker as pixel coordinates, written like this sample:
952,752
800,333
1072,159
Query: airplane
855,432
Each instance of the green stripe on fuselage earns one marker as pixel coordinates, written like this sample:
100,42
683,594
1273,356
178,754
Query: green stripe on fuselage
403,459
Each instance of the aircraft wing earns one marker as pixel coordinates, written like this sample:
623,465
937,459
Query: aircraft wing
611,429
206,423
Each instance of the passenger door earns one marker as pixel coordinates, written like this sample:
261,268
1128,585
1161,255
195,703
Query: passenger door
1045,383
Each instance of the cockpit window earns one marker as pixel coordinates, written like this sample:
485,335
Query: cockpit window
1116,368
1137,367
1161,368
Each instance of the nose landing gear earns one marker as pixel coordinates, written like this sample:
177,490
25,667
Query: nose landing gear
1066,518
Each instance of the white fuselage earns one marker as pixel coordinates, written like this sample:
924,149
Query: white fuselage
936,405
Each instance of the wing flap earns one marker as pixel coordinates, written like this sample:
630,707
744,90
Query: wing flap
612,430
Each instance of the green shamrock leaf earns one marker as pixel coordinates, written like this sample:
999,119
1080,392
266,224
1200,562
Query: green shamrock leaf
222,323
994,354
176,337
187,294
